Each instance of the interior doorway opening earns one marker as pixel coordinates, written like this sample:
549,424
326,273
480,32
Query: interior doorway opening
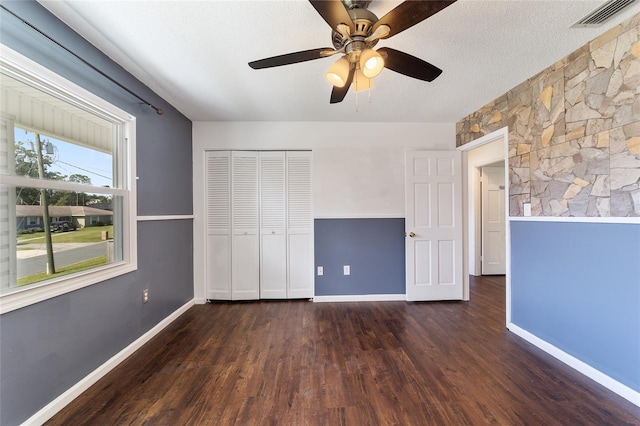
491,149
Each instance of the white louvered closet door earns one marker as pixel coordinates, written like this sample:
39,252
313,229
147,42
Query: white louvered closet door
7,207
273,239
299,225
245,243
218,246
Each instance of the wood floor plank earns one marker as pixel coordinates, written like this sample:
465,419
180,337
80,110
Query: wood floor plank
382,363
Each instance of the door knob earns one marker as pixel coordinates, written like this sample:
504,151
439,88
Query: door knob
412,234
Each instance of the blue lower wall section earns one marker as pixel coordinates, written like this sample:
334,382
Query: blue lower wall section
48,347
374,248
577,286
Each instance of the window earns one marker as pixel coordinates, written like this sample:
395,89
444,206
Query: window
67,185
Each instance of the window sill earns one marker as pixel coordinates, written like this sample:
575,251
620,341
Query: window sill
21,297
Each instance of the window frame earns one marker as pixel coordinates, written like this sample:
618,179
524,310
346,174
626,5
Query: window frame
18,66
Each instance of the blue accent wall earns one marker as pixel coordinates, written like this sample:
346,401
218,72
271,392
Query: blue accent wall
48,347
374,248
577,286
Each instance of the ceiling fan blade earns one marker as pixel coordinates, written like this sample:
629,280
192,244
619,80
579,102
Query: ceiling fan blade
409,13
334,12
292,58
408,65
338,93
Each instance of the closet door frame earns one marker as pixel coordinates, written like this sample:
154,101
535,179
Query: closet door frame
241,256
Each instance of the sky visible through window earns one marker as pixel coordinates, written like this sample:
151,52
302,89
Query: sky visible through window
69,159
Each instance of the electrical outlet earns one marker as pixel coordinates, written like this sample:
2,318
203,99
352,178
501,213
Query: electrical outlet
320,270
145,295
347,269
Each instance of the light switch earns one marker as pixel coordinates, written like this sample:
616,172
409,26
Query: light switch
347,270
320,270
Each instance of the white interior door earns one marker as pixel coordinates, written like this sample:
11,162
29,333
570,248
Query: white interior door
433,225
493,222
245,243
299,226
218,244
273,239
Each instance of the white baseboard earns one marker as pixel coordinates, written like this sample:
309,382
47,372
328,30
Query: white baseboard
362,298
613,385
200,300
73,392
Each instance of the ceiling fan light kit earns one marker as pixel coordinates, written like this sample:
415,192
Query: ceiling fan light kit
338,73
355,31
371,63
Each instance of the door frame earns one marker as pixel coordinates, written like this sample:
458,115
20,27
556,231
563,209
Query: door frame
470,181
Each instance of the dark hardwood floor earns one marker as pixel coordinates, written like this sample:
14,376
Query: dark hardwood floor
302,363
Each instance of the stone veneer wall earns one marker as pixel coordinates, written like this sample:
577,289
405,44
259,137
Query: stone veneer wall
574,131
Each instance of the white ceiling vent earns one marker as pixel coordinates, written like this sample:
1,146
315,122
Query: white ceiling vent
603,13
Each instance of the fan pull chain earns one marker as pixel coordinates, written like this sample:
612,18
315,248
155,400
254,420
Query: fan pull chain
356,85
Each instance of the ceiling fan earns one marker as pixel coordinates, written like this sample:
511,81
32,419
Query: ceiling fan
355,31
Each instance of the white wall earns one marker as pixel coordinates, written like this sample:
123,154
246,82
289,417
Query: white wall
358,168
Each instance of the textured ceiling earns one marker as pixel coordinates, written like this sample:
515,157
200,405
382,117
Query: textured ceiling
195,54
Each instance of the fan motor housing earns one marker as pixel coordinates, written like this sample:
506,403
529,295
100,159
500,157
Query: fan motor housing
350,4
363,21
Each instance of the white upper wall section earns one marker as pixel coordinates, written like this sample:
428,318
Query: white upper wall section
358,168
